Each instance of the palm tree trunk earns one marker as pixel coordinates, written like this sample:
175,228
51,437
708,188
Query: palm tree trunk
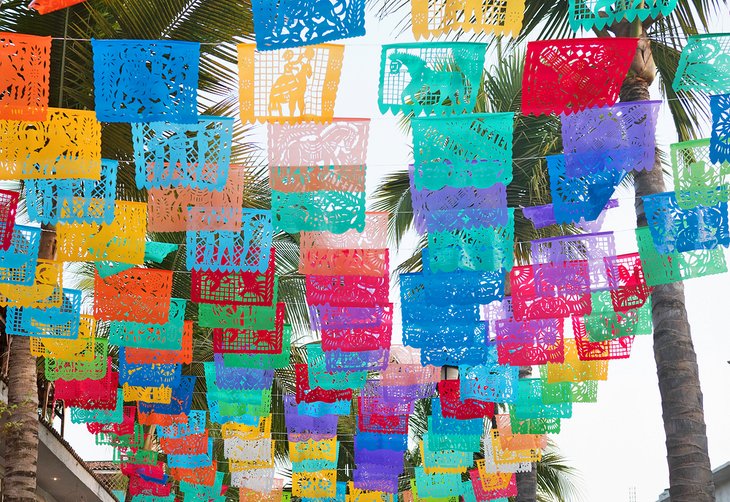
690,475
21,445
526,481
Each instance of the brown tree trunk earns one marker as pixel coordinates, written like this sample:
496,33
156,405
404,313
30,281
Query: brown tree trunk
690,475
21,445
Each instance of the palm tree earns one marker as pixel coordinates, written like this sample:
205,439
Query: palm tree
690,475
211,21
534,137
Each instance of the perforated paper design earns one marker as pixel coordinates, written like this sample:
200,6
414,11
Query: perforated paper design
112,415
257,480
697,180
428,78
168,207
605,324
194,460
193,155
466,151
95,369
493,481
530,342
373,236
293,23
674,229
720,136
148,375
366,360
437,485
265,360
19,260
573,369
330,211
618,348
25,60
166,336
548,290
445,16
625,132
366,262
626,281
289,85
529,402
566,76
475,249
79,349
425,202
703,65
44,292
585,195
453,406
666,268
314,484
256,317
351,290
588,14
489,382
343,317
138,294
121,240
455,287
591,247
252,340
146,80
225,251
234,288
89,394
65,145
74,200
8,208
229,378
443,461
51,322
295,149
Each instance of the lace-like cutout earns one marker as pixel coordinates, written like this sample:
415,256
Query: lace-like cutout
573,369
192,461
453,406
25,61
427,201
473,249
65,145
8,208
263,360
315,484
51,322
591,247
472,150
146,80
257,480
526,343
566,76
80,349
703,65
192,444
296,151
674,267
479,480
367,360
166,400
225,251
544,216
89,394
335,212
168,207
193,155
489,382
62,369
229,378
152,356
344,317
446,16
366,262
720,137
293,23
626,281
466,343
19,260
617,348
529,402
44,292
582,197
113,415
512,441
605,324
373,236
425,78
588,14
624,131
437,485
166,336
697,180
121,240
234,288
252,340
138,294
148,375
509,456
47,6
126,426
289,85
143,497
348,290
443,461
549,290
74,200
196,475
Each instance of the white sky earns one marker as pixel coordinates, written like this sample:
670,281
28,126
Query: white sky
617,443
